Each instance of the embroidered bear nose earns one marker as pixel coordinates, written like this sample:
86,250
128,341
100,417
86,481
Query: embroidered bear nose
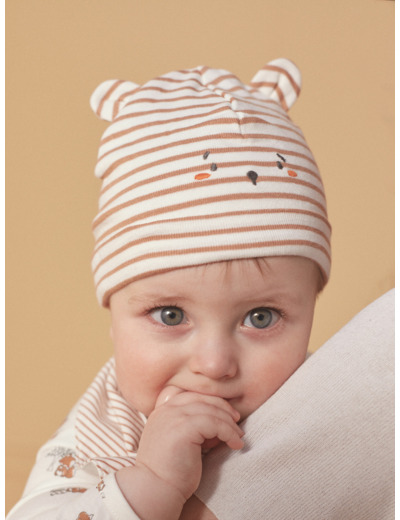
252,175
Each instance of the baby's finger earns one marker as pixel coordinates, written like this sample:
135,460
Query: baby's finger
227,432
205,409
167,393
209,444
193,397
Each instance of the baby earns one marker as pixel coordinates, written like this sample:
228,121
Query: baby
197,350
212,243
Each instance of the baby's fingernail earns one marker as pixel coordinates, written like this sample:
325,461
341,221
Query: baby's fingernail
237,414
166,394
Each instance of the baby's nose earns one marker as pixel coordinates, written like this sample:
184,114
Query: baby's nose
215,358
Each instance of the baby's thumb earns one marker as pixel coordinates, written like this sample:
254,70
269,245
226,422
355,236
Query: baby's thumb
166,394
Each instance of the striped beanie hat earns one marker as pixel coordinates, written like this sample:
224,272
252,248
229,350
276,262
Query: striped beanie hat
197,167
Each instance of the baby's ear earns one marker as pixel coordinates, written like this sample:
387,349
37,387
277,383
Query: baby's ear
109,96
279,80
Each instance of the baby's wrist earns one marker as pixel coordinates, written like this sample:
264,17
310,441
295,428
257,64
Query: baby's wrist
149,496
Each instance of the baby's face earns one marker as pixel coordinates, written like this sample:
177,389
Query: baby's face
235,330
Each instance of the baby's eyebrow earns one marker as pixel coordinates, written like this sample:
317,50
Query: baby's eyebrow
277,298
157,299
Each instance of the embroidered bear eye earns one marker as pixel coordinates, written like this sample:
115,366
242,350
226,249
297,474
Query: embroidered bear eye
202,176
291,173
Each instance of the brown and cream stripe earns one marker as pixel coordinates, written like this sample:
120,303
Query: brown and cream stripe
197,167
107,429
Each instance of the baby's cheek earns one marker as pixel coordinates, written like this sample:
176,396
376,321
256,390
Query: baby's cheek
138,397
265,383
131,383
143,389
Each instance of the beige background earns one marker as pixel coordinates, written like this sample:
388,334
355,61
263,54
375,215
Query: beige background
58,52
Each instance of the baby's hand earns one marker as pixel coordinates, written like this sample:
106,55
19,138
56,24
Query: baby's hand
171,391
177,429
166,394
169,459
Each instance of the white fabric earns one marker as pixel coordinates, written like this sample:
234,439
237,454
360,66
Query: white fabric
115,501
323,446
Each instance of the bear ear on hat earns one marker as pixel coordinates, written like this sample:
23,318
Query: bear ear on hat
109,96
280,81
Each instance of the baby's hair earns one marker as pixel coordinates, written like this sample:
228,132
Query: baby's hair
263,266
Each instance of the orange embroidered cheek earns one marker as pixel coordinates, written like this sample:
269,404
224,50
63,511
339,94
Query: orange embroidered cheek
202,176
213,168
292,173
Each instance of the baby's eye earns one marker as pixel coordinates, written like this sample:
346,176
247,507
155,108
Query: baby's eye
261,318
168,315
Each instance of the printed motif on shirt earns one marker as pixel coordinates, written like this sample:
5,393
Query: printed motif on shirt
84,516
62,491
63,462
